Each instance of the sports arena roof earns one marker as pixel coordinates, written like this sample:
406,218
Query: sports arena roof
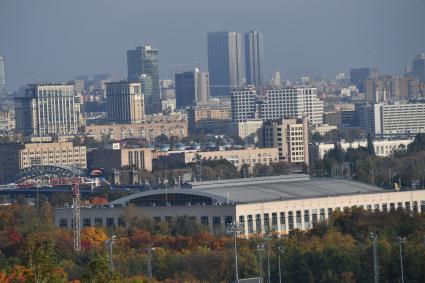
258,190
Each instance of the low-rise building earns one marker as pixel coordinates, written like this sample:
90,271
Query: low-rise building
147,129
382,147
323,129
117,158
238,157
259,206
17,156
244,129
212,118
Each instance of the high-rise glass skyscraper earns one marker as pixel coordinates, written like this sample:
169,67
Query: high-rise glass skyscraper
418,68
191,88
254,58
225,65
2,77
144,61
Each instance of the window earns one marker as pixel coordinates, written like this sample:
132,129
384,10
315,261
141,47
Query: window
216,220
204,220
228,220
242,224
258,223
121,222
415,206
110,222
322,214
266,223
329,212
314,216
168,219
376,207
290,220
274,221
384,207
407,205
392,206
63,223
86,222
250,225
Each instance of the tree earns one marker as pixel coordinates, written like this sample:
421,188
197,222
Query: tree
370,147
97,270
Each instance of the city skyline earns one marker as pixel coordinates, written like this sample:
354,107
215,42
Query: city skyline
318,46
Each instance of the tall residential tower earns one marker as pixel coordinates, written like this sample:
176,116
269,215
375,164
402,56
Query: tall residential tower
225,65
48,109
125,104
254,58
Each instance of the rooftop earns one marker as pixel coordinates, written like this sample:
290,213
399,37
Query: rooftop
249,190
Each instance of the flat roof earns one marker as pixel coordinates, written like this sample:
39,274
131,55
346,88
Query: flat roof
263,189
294,186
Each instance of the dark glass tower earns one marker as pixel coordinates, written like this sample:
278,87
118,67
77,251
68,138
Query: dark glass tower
254,58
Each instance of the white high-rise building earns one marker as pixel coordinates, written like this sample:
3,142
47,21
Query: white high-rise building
243,104
293,103
48,109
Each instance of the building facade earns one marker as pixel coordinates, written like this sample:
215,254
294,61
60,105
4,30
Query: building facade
148,130
244,129
117,158
293,103
259,206
391,88
359,76
125,102
191,88
212,118
225,65
290,136
144,60
48,109
244,104
238,157
254,64
418,67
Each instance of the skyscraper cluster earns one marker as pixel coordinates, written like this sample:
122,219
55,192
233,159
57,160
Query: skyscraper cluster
225,63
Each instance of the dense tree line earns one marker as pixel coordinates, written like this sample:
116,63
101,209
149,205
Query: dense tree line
33,250
405,167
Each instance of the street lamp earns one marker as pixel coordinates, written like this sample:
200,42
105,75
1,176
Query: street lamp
401,241
374,237
260,249
149,250
233,228
281,250
109,244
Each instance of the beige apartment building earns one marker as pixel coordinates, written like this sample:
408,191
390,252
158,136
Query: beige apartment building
290,136
212,118
117,157
238,157
125,102
147,130
17,156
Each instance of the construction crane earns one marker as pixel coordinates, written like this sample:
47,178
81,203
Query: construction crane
76,215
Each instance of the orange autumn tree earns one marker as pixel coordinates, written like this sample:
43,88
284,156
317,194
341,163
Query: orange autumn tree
93,236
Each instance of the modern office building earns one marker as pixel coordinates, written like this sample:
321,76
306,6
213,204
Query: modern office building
191,88
144,61
125,102
259,206
225,65
254,58
293,103
48,109
244,104
418,67
290,136
359,76
2,76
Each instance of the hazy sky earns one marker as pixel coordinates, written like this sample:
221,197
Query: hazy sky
59,39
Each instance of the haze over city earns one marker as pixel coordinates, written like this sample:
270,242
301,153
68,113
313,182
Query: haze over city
49,40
